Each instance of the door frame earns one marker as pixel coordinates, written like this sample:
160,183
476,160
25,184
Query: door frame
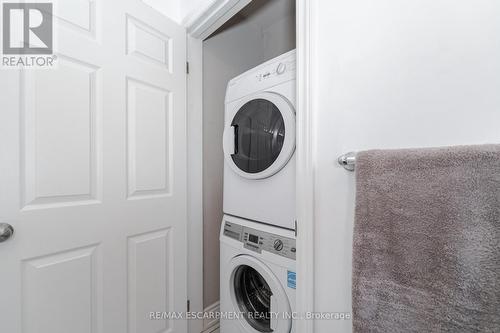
305,163
195,181
199,28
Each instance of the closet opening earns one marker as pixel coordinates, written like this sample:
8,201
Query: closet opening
260,141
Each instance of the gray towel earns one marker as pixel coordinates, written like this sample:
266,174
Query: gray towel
426,251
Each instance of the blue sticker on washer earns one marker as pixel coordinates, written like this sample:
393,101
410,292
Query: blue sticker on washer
292,280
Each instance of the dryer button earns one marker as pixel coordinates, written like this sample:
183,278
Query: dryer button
281,68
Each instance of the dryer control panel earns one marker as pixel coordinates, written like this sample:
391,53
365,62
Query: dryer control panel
269,74
273,70
258,241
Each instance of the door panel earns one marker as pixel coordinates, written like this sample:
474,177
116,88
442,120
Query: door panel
70,176
150,282
72,276
147,43
148,139
93,180
78,14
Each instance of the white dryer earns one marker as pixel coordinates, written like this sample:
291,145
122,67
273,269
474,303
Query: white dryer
259,143
257,277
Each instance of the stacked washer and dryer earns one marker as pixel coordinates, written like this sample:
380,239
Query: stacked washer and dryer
257,237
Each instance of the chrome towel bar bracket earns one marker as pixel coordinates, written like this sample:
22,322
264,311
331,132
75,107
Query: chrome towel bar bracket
348,161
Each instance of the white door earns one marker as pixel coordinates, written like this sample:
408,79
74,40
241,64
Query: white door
93,176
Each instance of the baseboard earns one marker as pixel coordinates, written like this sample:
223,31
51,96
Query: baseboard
211,325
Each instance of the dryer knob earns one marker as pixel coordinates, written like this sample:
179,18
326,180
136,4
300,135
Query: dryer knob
281,68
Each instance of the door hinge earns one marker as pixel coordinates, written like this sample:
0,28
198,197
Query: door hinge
188,305
296,230
187,67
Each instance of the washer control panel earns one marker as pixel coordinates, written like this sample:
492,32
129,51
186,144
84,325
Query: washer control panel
259,241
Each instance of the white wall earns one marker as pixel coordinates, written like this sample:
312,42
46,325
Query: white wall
279,37
392,74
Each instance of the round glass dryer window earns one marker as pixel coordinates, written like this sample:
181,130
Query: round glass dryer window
259,134
253,296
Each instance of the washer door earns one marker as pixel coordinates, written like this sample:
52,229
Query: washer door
259,296
260,139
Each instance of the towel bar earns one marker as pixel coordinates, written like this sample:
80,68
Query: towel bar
348,161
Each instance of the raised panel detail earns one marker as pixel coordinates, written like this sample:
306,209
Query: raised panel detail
78,14
149,281
148,140
147,43
60,135
60,292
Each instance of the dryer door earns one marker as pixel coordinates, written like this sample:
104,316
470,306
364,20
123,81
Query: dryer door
260,138
259,296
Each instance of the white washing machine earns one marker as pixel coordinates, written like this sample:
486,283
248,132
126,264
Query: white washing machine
257,277
259,143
